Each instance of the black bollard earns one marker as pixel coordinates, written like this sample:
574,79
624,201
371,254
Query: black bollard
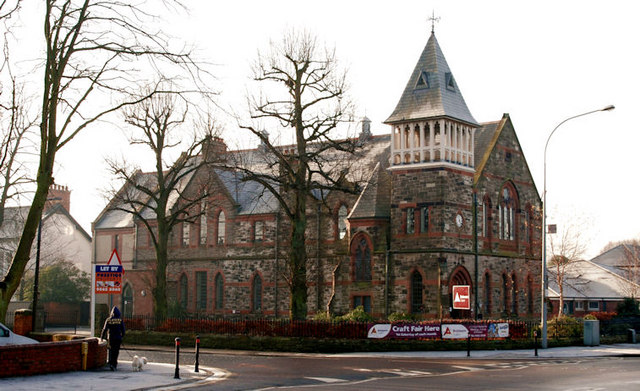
535,342
468,345
197,353
177,373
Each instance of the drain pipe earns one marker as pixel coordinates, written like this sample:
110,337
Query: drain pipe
475,252
277,252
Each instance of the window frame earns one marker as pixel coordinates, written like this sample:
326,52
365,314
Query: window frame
186,234
183,284
364,301
410,222
201,290
417,292
362,255
342,221
219,291
221,233
424,219
256,293
203,224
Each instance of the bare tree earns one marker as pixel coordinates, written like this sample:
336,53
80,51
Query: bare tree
97,52
630,265
567,247
13,133
161,200
308,97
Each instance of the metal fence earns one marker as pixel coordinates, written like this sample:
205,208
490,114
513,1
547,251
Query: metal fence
288,328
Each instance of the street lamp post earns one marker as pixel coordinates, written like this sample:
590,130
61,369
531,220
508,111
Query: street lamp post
37,271
543,306
35,279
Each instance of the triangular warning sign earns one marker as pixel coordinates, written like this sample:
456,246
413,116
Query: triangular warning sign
114,255
457,298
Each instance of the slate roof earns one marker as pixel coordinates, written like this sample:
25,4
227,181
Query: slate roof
375,199
15,218
616,257
483,138
431,90
114,218
588,280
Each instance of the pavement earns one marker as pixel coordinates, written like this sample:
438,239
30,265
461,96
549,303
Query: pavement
157,376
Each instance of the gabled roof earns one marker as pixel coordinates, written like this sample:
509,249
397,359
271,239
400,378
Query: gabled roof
617,256
431,90
486,138
114,218
15,218
587,280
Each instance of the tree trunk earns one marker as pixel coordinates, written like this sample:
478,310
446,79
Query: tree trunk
160,308
298,261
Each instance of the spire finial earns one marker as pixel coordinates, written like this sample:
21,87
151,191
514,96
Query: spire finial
433,20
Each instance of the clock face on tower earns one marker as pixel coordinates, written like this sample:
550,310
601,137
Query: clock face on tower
459,220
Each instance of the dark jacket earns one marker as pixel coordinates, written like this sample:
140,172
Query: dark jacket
114,326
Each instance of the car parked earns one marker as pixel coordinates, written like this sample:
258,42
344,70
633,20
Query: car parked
8,337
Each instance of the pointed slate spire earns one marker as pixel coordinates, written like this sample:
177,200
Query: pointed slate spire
431,91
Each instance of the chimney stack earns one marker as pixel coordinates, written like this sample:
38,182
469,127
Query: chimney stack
58,194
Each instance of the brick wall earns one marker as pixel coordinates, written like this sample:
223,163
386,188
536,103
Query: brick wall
50,357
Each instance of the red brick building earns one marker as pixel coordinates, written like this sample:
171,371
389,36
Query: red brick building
448,202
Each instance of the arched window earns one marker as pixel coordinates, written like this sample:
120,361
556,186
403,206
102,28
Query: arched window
506,215
219,286
201,290
342,222
222,226
486,217
514,295
256,294
186,231
127,301
362,259
530,294
184,288
505,293
203,223
487,293
416,293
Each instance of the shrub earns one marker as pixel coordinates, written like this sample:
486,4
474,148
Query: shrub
175,310
603,315
356,315
398,316
590,317
322,317
565,327
628,307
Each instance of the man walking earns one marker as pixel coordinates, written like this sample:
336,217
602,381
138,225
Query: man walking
114,331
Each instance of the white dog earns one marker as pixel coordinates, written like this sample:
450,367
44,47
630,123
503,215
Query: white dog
137,363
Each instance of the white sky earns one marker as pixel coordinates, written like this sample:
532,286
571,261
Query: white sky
540,61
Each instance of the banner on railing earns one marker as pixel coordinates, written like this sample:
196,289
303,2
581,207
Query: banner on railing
433,331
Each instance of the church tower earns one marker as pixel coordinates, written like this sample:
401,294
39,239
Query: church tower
431,124
432,166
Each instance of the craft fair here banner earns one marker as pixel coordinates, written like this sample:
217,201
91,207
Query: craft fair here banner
433,331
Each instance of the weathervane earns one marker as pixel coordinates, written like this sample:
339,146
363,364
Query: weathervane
433,20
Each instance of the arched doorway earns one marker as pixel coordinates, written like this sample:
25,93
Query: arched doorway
127,301
460,276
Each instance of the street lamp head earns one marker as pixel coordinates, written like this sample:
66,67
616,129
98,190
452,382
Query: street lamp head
608,108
